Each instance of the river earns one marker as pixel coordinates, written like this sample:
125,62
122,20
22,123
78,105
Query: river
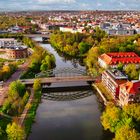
68,120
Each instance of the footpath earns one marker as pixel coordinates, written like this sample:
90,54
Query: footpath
25,111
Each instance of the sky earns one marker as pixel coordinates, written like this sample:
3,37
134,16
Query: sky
19,5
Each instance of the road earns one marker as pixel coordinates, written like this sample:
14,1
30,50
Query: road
14,77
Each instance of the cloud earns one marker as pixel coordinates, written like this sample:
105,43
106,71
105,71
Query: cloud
70,4
56,1
99,4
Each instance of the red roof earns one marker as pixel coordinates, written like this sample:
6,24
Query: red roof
120,57
122,54
132,87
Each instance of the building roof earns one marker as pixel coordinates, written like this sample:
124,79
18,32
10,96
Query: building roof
120,57
132,87
117,76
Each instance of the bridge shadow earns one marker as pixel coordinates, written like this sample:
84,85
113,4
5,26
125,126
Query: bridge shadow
67,93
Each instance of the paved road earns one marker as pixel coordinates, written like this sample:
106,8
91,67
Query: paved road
15,76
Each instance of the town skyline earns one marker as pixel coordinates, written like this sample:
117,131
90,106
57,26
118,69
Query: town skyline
18,5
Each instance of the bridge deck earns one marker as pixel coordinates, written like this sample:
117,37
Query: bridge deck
38,35
59,79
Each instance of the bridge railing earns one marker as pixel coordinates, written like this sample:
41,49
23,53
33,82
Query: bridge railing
64,72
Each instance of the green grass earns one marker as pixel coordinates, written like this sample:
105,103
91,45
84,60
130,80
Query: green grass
3,60
32,113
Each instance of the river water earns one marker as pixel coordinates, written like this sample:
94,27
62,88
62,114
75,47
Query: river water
68,120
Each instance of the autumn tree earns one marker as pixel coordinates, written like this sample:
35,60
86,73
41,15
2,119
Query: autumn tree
131,71
16,87
15,132
127,133
113,118
37,85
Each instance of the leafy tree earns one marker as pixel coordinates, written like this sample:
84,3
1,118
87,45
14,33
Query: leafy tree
44,67
16,87
37,85
84,47
1,131
15,132
133,110
120,66
127,133
6,106
132,72
113,118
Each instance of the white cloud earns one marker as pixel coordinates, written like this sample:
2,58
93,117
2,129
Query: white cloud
99,4
56,1
122,3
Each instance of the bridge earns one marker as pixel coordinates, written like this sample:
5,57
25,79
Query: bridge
59,80
64,75
38,35
61,75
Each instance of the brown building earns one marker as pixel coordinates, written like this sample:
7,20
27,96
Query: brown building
17,53
13,49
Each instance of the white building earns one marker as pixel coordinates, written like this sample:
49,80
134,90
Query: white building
8,42
70,29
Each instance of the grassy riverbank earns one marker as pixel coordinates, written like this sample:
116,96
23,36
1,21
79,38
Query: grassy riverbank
32,112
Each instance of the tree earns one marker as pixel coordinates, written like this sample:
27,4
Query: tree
127,133
84,47
15,132
37,85
1,131
44,67
133,110
16,87
132,72
120,66
6,106
113,118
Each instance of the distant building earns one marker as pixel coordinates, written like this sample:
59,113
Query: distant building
71,29
112,79
113,59
15,29
7,42
129,92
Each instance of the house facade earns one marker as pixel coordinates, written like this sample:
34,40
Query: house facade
112,79
129,92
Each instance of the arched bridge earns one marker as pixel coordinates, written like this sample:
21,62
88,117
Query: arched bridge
61,75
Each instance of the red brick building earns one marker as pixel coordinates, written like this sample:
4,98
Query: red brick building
13,49
17,53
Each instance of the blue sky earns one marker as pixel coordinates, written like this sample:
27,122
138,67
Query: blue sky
69,4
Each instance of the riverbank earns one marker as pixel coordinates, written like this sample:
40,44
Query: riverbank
105,101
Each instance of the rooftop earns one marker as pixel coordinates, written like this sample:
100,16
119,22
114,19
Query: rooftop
132,87
120,57
116,74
